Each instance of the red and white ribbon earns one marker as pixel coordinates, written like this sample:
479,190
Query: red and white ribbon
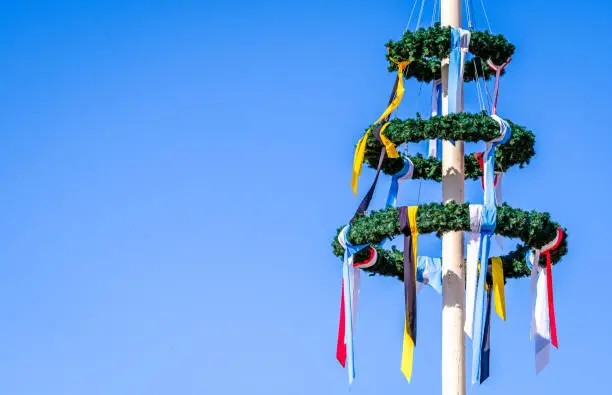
543,322
341,349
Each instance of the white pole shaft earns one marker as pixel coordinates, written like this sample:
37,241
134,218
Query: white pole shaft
453,294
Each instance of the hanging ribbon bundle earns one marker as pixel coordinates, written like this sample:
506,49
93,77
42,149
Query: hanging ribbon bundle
348,302
482,231
350,277
436,109
504,127
388,147
394,102
407,222
543,321
487,228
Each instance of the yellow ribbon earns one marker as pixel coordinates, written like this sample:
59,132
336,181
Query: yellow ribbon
361,145
358,160
407,355
399,92
408,346
389,146
497,272
414,232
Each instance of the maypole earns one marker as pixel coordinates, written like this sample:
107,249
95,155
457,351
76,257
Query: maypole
453,294
472,285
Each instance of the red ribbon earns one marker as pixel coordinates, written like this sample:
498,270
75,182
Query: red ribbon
341,345
549,286
480,158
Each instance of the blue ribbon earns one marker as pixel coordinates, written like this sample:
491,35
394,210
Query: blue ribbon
489,161
529,259
480,345
394,188
436,109
489,221
349,251
486,345
432,267
454,71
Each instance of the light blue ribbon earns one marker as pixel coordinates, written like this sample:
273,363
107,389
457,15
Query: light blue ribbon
489,221
429,272
349,251
394,188
487,229
529,259
454,71
489,160
436,109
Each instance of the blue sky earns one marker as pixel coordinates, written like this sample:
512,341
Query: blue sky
173,173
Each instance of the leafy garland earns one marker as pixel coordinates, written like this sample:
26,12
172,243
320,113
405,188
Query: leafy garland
533,228
426,48
463,127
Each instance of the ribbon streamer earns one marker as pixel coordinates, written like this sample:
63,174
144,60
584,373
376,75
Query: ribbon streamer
487,229
436,108
480,159
497,181
540,328
341,345
543,322
388,144
485,354
407,222
549,285
488,224
499,199
365,202
396,98
429,272
346,357
498,70
497,273
460,43
473,250
404,174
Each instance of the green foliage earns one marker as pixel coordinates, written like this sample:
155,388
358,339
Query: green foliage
532,228
462,127
427,47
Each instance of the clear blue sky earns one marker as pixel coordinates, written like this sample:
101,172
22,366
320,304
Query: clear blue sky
172,174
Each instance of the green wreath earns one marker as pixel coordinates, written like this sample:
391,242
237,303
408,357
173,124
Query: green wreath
463,127
532,228
426,48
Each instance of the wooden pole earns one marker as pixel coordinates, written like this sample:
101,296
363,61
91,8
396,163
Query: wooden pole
453,293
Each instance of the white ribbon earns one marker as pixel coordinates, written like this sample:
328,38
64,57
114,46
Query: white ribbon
429,272
499,200
436,104
356,276
540,325
473,250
